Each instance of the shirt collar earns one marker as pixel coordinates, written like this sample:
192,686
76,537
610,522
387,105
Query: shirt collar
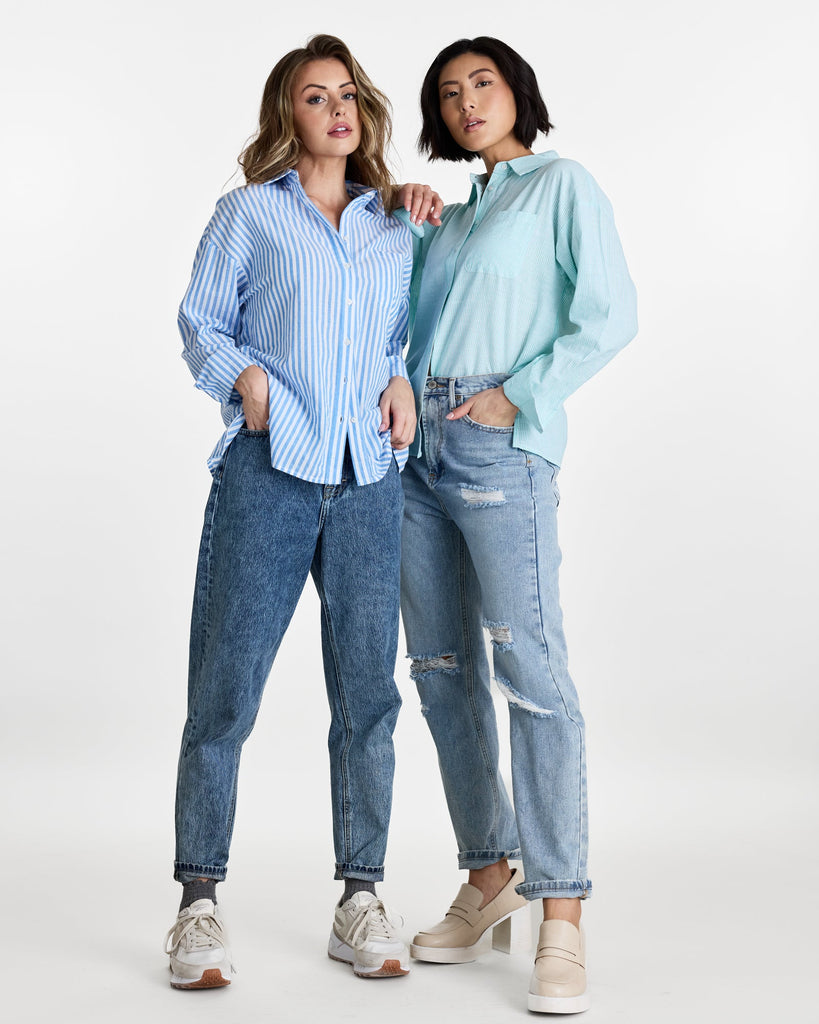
520,165
290,179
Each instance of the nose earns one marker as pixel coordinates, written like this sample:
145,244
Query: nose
467,103
339,108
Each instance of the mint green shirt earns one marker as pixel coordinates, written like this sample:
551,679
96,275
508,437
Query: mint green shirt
527,278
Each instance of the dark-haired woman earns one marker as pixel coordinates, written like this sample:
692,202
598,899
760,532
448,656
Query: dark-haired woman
517,298
294,321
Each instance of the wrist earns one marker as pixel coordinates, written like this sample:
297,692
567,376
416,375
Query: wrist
252,380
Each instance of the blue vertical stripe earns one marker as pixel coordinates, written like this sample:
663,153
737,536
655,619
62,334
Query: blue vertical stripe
324,312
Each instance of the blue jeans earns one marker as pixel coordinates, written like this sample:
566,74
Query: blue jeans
264,532
480,551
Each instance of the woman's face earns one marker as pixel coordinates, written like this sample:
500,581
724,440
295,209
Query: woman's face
477,105
325,109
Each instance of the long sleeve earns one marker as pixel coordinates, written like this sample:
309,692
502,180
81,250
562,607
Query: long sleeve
210,322
397,330
602,314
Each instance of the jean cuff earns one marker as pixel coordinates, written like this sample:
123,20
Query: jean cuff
554,890
186,872
359,871
476,859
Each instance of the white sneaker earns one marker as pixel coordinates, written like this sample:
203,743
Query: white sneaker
197,946
364,935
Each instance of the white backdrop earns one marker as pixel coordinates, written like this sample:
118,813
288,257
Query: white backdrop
689,504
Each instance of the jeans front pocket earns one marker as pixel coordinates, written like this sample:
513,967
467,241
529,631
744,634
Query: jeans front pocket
486,426
500,243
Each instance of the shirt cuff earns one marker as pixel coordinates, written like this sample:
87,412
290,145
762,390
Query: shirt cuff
519,393
397,367
219,373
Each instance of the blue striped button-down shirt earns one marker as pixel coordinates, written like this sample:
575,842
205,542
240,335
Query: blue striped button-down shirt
324,312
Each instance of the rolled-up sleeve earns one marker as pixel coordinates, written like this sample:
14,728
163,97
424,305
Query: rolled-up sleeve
210,321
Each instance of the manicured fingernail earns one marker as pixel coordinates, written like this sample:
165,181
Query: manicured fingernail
450,416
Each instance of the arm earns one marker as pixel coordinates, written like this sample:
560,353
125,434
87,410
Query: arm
397,401
603,311
209,322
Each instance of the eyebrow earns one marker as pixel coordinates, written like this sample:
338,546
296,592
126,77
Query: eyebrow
471,75
313,85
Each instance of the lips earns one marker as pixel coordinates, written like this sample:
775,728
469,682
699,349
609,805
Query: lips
341,130
473,124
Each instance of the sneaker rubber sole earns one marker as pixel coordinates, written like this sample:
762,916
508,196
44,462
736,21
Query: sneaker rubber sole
211,978
391,967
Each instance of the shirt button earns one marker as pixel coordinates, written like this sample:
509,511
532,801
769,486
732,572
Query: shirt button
353,420
348,341
349,302
348,265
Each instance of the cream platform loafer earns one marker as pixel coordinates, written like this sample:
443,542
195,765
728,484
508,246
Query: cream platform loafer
558,982
467,931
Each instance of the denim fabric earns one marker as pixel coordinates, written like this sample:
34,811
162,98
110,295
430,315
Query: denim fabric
480,552
264,532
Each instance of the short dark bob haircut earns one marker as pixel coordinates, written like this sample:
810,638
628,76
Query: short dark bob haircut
533,117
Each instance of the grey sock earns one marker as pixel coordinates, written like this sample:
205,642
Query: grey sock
198,889
354,885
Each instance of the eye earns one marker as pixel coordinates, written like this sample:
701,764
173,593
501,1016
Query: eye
448,94
486,81
350,96
315,100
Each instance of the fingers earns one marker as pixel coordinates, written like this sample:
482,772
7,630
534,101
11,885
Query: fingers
461,410
384,406
436,206
420,203
403,428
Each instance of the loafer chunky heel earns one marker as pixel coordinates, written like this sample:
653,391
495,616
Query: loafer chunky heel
469,930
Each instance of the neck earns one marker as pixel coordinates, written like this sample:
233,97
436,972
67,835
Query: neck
323,178
506,150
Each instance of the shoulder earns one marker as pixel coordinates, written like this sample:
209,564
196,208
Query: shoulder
242,215
567,176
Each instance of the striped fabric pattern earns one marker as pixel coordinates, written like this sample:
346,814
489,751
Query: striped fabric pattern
324,312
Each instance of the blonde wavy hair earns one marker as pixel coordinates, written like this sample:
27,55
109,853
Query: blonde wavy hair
275,148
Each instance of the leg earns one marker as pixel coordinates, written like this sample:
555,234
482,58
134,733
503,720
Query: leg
257,544
505,501
356,569
356,572
440,600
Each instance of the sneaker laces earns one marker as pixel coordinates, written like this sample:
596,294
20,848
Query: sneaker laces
206,930
375,920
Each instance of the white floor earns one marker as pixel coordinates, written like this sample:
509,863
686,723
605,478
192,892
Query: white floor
688,924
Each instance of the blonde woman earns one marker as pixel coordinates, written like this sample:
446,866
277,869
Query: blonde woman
294,322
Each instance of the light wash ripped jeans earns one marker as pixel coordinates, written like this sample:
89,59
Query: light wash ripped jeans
480,552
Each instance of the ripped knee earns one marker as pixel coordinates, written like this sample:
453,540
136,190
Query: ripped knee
500,634
425,665
517,700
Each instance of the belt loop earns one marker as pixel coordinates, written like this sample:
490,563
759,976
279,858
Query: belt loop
452,403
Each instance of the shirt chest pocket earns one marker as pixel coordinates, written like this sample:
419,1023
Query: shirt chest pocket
500,244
